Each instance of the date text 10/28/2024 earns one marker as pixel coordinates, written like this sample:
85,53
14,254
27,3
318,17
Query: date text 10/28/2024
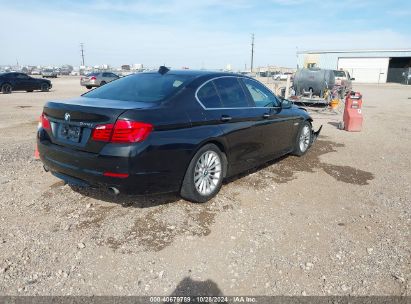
202,299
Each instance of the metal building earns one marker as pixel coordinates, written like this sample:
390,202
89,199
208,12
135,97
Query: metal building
372,66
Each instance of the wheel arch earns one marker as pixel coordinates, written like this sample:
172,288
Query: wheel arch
6,82
221,145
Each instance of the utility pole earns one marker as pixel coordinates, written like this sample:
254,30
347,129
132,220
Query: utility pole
252,52
82,53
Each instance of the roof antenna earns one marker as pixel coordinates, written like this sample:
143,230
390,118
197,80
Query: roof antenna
163,69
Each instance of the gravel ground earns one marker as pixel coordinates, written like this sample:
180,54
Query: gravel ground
333,222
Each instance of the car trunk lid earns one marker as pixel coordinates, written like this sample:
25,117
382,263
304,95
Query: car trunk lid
72,121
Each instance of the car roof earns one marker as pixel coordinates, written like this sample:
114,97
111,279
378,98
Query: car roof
198,73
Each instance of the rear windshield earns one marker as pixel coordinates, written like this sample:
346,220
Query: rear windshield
339,73
144,87
92,74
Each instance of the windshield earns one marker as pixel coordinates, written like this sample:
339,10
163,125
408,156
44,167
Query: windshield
339,73
144,87
48,71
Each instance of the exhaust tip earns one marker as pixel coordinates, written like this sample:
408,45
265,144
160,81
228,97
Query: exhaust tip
114,190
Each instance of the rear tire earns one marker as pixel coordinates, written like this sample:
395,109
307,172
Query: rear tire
6,88
204,175
89,87
44,87
303,140
29,91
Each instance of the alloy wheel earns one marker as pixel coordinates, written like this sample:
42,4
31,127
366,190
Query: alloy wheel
305,138
207,172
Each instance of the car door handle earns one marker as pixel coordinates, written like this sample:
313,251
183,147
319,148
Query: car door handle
226,118
266,115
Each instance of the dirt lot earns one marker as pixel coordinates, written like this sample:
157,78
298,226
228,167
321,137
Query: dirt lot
336,221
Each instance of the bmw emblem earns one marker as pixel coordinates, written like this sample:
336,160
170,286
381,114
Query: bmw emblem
67,117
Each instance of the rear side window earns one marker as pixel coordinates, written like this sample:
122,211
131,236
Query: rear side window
208,96
143,87
231,92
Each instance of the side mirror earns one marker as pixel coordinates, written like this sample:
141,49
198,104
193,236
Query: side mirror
352,78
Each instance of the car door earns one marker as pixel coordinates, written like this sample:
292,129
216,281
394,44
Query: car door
278,126
20,82
112,76
227,105
104,77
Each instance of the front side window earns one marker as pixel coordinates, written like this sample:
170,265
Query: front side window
144,87
208,96
339,73
22,76
231,92
260,94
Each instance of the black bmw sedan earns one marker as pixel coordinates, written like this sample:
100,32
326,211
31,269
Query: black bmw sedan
169,131
14,81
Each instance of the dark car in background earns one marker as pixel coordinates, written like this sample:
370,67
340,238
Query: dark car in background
170,131
97,79
22,82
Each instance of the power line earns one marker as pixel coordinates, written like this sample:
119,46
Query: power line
252,52
82,53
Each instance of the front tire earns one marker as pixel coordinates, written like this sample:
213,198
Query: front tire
303,140
204,175
6,88
88,87
44,87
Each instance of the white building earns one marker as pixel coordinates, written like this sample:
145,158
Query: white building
372,66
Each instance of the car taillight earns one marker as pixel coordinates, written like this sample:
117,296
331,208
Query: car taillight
114,174
102,132
126,131
123,131
45,122
93,78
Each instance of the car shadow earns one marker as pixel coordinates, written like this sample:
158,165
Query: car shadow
24,92
153,200
189,287
254,170
335,124
125,200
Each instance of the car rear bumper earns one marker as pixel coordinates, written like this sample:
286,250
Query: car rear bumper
87,170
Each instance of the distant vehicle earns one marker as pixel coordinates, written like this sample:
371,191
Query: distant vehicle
75,73
64,72
49,73
283,76
21,82
407,76
97,79
343,79
35,72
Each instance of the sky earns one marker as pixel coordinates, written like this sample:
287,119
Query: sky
195,33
